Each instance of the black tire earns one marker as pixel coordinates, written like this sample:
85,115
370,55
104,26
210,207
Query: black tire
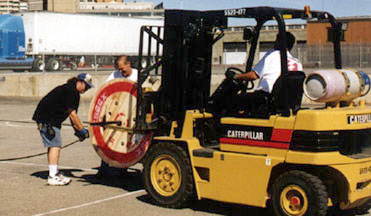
38,65
18,71
73,66
363,209
168,175
299,193
54,64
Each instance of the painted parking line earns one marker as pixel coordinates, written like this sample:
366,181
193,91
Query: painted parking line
90,203
45,165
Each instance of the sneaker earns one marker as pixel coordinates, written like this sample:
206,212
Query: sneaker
57,181
64,178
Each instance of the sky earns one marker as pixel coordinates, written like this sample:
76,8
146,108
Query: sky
338,8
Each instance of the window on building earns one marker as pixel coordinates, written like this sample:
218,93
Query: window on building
266,46
234,46
331,35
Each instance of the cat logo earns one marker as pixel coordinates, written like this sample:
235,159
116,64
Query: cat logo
365,170
253,135
359,119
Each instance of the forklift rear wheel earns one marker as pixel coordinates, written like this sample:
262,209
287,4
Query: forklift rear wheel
299,193
168,175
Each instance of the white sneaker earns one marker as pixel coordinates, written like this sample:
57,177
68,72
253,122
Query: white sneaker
58,180
65,179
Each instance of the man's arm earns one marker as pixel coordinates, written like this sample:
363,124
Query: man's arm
80,131
76,120
110,77
251,75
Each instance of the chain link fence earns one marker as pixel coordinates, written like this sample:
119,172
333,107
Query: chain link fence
354,55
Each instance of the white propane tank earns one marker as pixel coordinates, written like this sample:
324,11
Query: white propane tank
332,86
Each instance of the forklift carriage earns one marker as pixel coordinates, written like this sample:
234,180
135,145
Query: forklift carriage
301,161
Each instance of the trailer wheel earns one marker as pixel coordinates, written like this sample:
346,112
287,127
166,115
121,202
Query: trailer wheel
73,66
168,175
54,64
299,193
38,65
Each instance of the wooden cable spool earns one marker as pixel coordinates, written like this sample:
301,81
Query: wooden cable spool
117,145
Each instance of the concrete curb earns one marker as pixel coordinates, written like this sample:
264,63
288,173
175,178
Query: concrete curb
35,86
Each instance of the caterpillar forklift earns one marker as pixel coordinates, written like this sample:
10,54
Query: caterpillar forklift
300,161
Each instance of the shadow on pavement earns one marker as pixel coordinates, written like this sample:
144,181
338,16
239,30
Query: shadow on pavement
220,208
132,181
129,181
66,172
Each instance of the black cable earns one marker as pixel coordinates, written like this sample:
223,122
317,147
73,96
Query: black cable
30,122
35,155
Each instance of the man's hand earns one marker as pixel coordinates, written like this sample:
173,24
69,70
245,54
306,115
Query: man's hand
82,134
229,74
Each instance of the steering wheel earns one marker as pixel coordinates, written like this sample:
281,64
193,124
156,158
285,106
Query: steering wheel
244,84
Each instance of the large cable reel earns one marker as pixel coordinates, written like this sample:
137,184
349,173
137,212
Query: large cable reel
111,116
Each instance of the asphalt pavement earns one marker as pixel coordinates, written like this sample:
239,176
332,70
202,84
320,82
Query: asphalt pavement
24,171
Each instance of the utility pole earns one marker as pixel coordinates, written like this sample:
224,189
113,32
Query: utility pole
323,5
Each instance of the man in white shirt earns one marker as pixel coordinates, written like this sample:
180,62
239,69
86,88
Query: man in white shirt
123,70
268,68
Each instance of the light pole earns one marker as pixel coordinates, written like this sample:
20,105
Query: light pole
181,4
323,5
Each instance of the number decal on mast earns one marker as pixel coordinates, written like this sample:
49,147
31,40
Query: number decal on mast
235,12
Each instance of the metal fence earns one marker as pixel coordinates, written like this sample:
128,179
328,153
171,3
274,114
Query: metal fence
355,55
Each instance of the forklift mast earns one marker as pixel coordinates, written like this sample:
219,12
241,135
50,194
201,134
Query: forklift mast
186,73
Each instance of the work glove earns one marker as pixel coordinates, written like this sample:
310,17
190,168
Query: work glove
230,75
82,134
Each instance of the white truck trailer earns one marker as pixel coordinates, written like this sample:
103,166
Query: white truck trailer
59,40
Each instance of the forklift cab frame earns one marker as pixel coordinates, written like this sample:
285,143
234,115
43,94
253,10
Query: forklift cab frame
188,37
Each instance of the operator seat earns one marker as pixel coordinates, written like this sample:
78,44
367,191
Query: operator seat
258,105
294,82
269,104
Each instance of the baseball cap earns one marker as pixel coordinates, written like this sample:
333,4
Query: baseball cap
87,78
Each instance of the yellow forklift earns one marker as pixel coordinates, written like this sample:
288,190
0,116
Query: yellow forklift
299,160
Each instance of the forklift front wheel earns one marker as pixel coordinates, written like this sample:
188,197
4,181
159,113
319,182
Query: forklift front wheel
168,175
299,193
364,208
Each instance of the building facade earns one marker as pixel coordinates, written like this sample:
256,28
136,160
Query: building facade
9,6
356,44
358,30
232,49
110,7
